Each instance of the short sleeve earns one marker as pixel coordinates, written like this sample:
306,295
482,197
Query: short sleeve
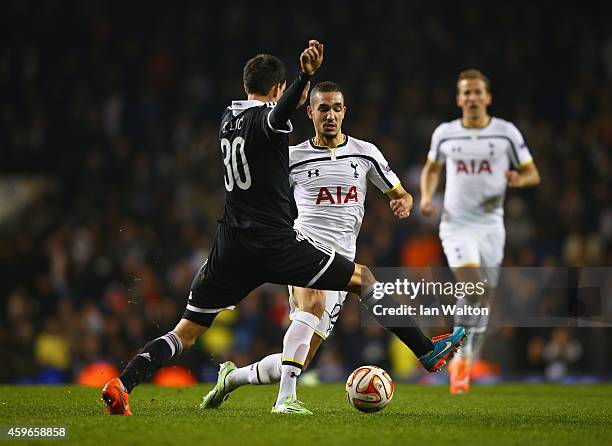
519,153
380,173
435,154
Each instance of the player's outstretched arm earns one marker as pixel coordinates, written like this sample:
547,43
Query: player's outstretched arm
400,202
295,95
528,176
430,177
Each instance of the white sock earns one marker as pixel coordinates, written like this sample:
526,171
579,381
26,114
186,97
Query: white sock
476,327
266,371
477,335
295,350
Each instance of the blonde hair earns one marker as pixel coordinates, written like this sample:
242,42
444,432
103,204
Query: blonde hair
473,73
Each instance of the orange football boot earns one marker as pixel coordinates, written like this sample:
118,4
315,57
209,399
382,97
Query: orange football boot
116,399
459,370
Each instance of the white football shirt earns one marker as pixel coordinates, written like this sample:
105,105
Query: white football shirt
476,164
329,186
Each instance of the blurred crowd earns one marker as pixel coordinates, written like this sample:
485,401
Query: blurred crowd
116,107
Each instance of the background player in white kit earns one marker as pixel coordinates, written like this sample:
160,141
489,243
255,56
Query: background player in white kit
329,174
479,151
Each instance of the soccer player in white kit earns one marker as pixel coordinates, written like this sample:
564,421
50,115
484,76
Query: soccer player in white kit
483,156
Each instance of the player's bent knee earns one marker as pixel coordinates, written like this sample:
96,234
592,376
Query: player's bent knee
315,305
188,332
361,279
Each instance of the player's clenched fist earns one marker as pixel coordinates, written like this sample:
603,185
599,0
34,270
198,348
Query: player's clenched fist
312,57
401,207
514,179
427,209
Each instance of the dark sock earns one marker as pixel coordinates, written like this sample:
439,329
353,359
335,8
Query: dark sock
411,334
153,355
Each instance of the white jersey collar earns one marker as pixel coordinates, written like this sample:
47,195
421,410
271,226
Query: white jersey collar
486,126
238,107
342,144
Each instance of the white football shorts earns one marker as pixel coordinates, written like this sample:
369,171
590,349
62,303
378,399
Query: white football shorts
471,246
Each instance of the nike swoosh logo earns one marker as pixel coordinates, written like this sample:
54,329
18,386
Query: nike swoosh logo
448,345
125,406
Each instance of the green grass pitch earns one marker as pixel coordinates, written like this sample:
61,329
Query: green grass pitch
419,415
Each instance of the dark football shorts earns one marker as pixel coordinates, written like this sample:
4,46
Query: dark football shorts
241,261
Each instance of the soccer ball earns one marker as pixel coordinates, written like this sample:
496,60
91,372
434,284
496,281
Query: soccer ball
369,388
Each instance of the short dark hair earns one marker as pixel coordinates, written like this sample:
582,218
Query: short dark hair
473,73
263,72
325,87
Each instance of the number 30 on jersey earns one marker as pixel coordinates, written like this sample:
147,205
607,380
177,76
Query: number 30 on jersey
230,160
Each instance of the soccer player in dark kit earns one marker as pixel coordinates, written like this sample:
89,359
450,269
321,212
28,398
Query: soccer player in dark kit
256,243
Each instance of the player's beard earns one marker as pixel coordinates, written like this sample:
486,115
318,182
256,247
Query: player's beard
329,135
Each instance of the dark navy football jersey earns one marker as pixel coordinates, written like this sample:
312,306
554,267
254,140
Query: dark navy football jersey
256,168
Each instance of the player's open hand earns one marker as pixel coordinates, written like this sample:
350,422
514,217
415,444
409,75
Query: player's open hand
514,179
401,207
312,57
427,209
